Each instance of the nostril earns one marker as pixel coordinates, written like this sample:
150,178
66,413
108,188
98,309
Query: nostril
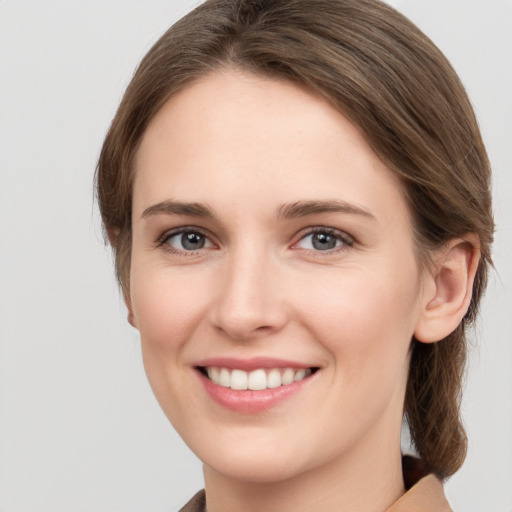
242,329
263,328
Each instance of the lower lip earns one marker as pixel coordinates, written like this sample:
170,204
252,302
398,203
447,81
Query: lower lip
249,401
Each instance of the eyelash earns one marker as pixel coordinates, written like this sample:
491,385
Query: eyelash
346,240
162,241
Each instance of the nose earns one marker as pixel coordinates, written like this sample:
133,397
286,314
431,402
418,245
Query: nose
251,299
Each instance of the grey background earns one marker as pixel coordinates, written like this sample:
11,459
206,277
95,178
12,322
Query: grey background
79,427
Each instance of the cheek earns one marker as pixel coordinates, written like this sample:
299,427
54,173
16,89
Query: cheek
166,304
365,319
166,308
366,327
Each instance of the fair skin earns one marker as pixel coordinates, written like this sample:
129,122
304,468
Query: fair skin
267,235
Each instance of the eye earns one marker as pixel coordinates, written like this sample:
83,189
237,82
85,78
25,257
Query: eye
188,240
324,239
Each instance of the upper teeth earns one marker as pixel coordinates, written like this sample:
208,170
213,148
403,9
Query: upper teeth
257,379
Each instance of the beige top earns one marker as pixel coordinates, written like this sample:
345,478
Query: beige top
426,495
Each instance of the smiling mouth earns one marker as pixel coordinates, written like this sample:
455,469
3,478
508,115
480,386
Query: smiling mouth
256,380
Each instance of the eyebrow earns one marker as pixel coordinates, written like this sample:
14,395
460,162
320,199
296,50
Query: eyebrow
303,208
287,211
178,208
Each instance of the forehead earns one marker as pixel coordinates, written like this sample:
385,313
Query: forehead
238,138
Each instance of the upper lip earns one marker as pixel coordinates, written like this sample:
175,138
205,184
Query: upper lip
250,364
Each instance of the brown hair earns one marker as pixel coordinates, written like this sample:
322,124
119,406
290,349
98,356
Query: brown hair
391,81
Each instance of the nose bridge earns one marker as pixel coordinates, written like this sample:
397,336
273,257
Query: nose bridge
249,302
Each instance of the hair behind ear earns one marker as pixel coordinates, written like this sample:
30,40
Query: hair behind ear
432,402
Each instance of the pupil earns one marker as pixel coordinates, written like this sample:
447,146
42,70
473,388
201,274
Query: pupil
192,241
323,242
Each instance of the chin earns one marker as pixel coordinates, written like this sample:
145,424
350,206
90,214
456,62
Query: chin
249,455
258,470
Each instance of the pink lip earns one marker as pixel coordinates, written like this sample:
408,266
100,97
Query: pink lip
248,365
249,401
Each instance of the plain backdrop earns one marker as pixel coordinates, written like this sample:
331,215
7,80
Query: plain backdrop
79,427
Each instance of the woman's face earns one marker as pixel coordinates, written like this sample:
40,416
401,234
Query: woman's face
271,249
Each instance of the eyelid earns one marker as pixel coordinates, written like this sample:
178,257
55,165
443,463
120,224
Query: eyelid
346,239
162,239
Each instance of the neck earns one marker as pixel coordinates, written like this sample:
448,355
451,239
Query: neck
370,480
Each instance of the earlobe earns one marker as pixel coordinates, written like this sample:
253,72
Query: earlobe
113,235
131,318
129,307
452,277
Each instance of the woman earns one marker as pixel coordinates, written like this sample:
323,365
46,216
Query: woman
297,195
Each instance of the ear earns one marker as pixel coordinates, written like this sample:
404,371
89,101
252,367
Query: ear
113,235
449,289
130,317
129,307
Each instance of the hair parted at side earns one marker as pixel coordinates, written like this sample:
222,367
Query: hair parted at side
379,70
